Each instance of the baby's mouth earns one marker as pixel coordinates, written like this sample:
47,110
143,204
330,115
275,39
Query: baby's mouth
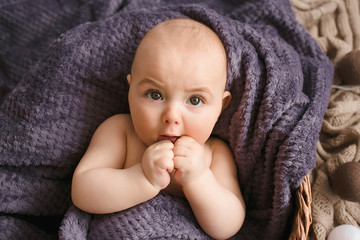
171,138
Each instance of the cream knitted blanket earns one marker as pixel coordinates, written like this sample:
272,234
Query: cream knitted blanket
335,25
339,143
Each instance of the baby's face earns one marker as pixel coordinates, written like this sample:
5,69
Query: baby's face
176,92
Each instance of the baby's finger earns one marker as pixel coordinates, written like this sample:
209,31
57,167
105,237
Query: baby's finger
181,151
180,162
164,144
166,162
185,140
169,166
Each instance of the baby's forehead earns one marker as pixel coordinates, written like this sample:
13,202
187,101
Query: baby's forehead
185,41
184,33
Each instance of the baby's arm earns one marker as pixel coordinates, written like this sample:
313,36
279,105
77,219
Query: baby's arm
215,196
100,184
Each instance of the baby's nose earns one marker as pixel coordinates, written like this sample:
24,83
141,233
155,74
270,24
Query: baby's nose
172,115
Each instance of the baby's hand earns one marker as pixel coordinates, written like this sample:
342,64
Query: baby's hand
157,163
189,160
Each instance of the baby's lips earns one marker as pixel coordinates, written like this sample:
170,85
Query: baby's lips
171,138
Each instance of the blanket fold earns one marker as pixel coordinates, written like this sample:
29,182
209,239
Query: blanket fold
278,76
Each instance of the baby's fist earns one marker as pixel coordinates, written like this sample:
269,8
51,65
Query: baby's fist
189,160
157,163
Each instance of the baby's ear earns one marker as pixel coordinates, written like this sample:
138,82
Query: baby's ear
226,100
128,77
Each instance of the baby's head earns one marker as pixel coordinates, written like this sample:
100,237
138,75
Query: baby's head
177,82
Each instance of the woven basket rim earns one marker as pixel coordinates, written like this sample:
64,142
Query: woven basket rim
302,219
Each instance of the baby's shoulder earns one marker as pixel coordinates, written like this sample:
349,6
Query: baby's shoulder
116,124
220,150
217,144
118,121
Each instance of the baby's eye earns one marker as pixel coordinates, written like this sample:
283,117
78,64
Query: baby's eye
195,101
154,95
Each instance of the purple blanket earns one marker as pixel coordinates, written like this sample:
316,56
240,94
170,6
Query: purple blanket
63,65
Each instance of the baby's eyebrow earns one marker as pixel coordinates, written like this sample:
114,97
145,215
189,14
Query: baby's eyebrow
150,81
200,89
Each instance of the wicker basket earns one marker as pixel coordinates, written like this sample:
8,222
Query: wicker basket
302,218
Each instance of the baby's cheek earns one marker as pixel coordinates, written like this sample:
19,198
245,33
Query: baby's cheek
201,130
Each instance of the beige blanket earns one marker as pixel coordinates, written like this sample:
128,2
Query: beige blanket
335,24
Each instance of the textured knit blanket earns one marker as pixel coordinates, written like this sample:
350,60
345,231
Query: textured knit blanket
339,144
334,24
63,67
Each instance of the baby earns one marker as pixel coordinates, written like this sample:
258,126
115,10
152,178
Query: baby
176,94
